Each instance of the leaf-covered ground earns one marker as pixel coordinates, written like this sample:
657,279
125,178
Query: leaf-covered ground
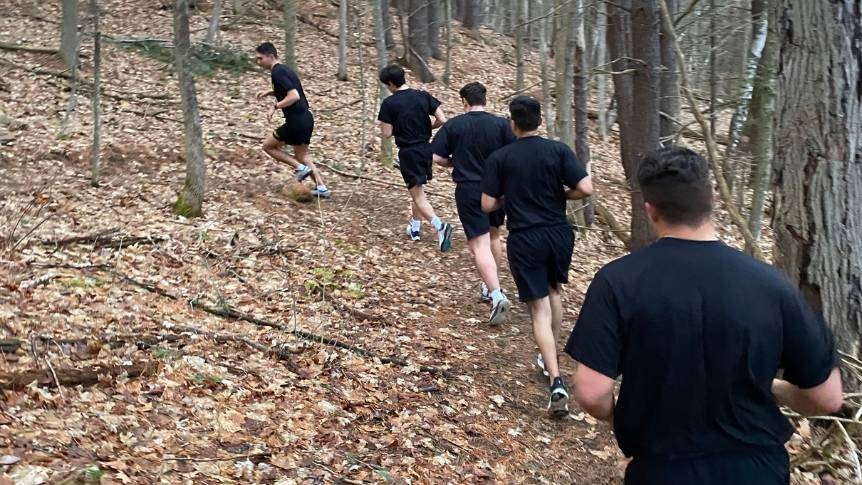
428,394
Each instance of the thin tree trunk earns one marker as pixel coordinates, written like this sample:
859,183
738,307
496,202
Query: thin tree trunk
818,161
447,19
69,34
762,117
238,7
190,198
759,24
646,87
545,6
713,70
341,75
601,79
387,24
290,34
586,215
379,37
97,87
519,44
669,104
565,50
212,30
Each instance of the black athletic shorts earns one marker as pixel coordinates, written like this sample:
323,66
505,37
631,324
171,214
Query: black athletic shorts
414,161
766,467
468,200
539,259
296,130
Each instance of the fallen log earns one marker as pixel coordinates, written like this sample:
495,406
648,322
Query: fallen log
74,377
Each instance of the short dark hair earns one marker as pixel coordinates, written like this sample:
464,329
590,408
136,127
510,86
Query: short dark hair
267,48
474,93
675,180
393,73
526,112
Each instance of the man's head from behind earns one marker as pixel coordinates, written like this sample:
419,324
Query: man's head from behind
526,115
676,188
266,55
473,94
392,76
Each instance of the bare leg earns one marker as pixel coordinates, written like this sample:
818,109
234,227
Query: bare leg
483,256
556,311
272,147
542,316
496,246
420,204
302,154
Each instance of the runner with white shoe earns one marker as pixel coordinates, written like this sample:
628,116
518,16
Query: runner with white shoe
464,143
298,120
536,176
406,115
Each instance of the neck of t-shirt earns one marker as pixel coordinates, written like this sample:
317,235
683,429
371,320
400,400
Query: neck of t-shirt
529,134
403,87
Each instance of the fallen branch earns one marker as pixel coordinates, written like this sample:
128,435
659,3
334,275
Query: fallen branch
26,48
378,181
105,239
611,221
308,21
247,456
9,346
74,377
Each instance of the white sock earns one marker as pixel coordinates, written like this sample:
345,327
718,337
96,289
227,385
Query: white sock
321,188
437,223
497,295
415,224
301,167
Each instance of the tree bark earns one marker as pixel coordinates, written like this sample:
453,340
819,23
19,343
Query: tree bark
545,7
471,16
818,162
388,39
601,79
379,37
434,16
582,122
762,127
290,34
74,377
713,70
418,49
519,44
341,75
215,17
669,104
645,127
190,198
69,34
95,165
447,20
564,47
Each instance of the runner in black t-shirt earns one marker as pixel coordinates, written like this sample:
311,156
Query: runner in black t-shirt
298,121
698,332
406,115
536,176
464,143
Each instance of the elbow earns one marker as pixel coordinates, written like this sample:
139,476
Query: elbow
586,186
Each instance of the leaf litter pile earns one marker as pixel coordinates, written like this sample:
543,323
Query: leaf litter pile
269,341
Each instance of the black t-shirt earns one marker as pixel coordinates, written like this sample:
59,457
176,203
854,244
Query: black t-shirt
285,80
531,173
468,139
409,111
698,330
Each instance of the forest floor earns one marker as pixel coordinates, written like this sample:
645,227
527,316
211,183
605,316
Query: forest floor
206,347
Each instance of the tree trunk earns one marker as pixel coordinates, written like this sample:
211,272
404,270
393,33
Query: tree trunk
290,34
212,30
418,49
238,7
519,44
713,69
190,198
818,223
379,37
387,24
97,102
601,79
645,127
434,16
564,47
762,127
471,17
585,214
759,25
545,6
669,104
447,20
619,42
341,75
69,34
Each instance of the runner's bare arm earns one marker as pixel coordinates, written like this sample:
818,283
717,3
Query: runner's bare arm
490,204
824,398
385,129
264,93
594,392
291,98
439,118
583,189
442,161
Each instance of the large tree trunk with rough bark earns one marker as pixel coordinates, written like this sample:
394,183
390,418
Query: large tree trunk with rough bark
418,49
670,101
435,14
380,38
190,198
388,39
818,222
645,106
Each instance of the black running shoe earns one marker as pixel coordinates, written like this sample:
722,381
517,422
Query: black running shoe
444,237
558,404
